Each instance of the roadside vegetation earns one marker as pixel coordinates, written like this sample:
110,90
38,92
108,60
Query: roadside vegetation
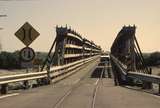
152,59
11,60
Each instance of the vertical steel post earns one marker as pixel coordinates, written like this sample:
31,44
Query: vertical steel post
133,59
48,75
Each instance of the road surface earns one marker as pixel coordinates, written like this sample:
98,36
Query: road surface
77,91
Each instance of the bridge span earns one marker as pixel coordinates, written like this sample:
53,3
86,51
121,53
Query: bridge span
79,90
79,75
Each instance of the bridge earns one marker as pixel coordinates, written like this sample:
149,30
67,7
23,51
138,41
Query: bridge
78,74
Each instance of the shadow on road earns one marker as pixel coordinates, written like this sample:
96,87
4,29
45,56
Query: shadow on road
97,73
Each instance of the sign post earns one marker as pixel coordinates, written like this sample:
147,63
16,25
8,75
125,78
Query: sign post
27,34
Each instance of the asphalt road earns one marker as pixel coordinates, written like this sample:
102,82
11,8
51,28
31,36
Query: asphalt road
77,91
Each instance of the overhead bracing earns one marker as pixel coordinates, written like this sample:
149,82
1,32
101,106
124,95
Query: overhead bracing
69,46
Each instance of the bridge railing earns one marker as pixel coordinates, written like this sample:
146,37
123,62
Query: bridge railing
144,77
125,74
55,73
119,64
136,75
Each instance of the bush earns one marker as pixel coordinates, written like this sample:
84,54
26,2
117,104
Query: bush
9,60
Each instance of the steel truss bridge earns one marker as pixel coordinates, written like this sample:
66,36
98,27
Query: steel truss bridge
76,71
127,60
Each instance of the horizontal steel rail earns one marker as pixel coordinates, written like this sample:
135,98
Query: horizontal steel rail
119,64
73,46
72,55
144,77
54,71
22,77
74,36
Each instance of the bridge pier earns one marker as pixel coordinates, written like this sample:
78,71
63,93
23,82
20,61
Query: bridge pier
4,88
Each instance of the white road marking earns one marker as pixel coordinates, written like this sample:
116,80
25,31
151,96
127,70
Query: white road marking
96,82
9,95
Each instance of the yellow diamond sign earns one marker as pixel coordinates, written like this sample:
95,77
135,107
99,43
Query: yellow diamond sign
27,34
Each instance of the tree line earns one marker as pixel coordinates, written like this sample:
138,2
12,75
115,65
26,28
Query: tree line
11,60
152,59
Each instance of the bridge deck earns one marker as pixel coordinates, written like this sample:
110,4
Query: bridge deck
84,82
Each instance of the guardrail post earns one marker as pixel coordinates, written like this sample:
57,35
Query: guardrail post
4,88
48,75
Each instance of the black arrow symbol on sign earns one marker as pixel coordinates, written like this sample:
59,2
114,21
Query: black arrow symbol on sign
24,34
29,54
29,32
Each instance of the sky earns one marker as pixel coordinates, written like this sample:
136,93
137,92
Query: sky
96,20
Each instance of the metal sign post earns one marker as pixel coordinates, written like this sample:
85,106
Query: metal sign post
27,34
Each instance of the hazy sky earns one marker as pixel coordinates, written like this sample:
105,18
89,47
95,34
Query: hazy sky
97,20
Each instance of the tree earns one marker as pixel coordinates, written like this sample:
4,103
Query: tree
153,59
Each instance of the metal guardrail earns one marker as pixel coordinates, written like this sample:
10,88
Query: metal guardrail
120,65
22,77
56,73
136,75
145,78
